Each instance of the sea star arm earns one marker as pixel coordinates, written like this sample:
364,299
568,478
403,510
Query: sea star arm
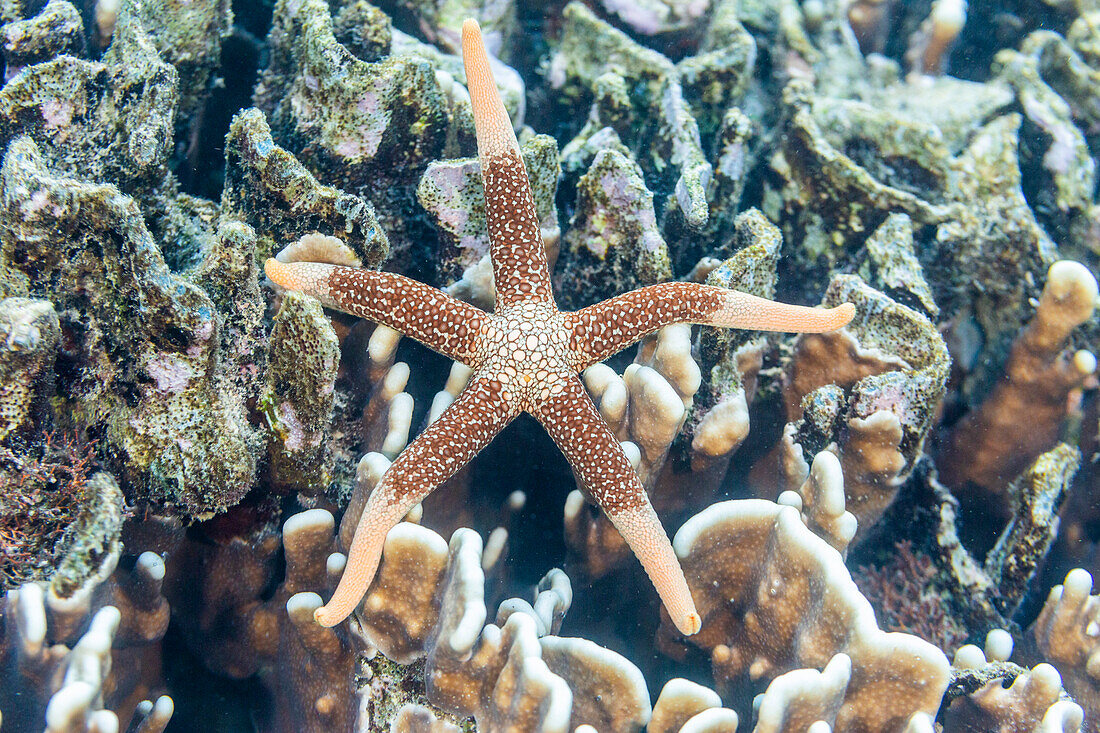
444,447
603,468
603,329
520,270
430,316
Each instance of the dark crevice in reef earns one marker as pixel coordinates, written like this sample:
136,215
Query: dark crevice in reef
201,168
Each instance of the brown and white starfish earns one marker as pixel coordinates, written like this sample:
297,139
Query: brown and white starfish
526,357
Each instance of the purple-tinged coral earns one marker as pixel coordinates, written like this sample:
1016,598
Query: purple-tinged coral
57,29
156,390
303,356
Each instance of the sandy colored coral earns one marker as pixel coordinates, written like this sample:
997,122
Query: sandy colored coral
800,698
1031,702
427,601
948,196
982,699
1021,416
730,360
244,630
752,565
1065,635
414,718
645,407
820,500
682,701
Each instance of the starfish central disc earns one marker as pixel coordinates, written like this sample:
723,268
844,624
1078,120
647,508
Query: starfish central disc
526,348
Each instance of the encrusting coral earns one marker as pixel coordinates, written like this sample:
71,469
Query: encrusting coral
30,331
298,400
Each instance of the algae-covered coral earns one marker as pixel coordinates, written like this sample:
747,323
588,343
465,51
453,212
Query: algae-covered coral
178,437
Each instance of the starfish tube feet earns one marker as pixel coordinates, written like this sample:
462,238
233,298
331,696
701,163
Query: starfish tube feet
447,445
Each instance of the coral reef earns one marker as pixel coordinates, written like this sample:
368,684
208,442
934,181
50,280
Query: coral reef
31,332
1027,407
798,607
156,390
868,392
186,448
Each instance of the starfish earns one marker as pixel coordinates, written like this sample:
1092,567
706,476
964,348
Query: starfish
525,357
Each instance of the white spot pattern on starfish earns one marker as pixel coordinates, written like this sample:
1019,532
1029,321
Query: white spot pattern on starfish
525,358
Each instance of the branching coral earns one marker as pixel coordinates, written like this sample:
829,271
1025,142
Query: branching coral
730,361
645,407
981,699
1065,633
685,706
68,651
502,675
1021,416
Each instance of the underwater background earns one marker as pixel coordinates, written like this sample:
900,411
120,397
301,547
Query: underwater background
888,527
